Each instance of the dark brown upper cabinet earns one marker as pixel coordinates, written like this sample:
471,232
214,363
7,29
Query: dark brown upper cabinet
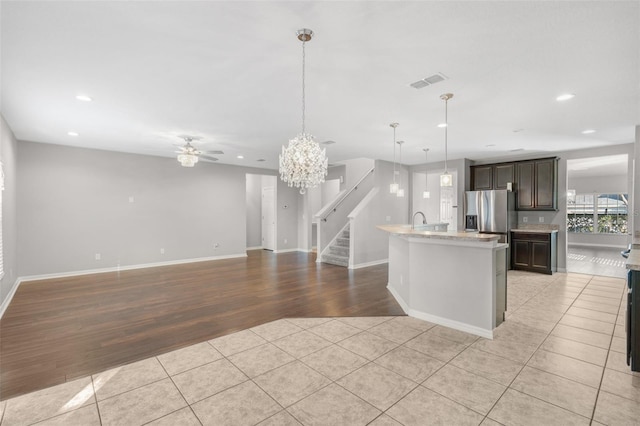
537,184
482,177
535,181
503,174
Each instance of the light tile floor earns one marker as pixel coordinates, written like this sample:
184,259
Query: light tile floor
596,261
558,359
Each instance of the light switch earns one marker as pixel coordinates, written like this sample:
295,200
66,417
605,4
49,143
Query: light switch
541,219
525,219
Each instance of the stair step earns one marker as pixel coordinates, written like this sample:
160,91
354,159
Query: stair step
339,250
335,260
344,242
345,234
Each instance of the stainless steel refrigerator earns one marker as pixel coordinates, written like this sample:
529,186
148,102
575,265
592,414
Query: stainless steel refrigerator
491,212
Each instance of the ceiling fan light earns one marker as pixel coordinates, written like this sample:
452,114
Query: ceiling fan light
187,160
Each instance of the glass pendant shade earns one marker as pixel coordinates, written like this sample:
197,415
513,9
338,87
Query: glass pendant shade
426,194
393,188
187,160
446,179
303,163
400,193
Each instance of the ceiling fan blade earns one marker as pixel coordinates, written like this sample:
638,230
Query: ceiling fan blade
207,158
216,152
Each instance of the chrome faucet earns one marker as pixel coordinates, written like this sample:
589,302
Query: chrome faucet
413,219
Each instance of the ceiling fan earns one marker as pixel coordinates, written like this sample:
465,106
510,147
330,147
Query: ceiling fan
188,155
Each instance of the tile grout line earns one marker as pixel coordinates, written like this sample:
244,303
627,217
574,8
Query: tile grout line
604,369
95,396
179,391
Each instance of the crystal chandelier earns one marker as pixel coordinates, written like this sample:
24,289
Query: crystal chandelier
393,187
426,193
400,191
446,179
303,163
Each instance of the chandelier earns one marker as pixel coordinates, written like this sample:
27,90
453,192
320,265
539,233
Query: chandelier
303,163
446,178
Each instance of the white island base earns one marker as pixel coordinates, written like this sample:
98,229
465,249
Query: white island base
453,279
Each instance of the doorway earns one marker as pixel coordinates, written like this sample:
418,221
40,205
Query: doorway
268,218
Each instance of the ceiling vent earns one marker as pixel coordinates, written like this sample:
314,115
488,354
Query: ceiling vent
428,81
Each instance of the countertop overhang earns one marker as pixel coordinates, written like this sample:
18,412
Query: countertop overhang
535,231
443,235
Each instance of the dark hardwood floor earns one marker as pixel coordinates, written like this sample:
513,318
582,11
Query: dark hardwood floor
60,329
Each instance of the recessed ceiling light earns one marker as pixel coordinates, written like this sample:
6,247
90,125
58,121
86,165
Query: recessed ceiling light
240,156
565,97
73,133
84,98
588,131
442,125
518,130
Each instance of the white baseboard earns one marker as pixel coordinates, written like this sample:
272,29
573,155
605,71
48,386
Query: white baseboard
367,264
477,331
288,250
7,300
255,248
128,267
562,270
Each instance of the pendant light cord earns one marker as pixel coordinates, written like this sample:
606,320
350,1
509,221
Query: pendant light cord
394,154
303,86
446,129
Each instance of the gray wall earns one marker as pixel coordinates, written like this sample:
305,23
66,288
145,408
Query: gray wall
254,210
74,203
8,155
287,200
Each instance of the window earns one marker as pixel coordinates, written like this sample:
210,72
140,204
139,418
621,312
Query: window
597,213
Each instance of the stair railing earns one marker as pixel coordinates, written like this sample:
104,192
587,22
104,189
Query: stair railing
344,197
340,208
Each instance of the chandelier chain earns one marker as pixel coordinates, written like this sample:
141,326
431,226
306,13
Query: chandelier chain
394,154
303,86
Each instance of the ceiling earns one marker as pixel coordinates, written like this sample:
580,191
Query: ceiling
610,165
229,72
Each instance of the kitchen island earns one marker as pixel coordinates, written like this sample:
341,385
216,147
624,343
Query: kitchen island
455,279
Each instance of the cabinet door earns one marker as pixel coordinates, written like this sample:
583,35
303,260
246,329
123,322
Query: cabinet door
520,253
540,255
482,178
525,188
546,194
502,175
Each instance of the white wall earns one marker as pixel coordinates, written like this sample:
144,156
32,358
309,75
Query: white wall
288,214
74,203
8,156
356,169
598,184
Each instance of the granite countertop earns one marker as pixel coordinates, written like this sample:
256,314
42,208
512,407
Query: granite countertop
445,235
535,231
633,262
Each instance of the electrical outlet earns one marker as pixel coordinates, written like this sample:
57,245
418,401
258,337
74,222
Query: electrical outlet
216,245
401,280
161,251
131,199
525,219
388,218
285,241
541,219
98,256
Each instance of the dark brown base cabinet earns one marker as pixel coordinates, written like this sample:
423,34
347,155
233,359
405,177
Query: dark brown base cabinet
535,252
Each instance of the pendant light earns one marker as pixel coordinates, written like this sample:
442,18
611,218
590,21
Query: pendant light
426,193
446,179
303,163
400,192
393,187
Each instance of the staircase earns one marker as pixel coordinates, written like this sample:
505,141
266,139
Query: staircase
339,250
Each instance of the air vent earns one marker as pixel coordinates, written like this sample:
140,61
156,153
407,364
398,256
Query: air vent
427,81
327,143
261,159
517,150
